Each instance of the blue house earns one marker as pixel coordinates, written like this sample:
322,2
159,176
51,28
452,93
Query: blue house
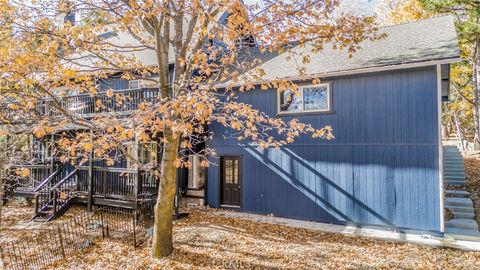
384,167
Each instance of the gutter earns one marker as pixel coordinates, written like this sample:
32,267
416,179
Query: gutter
351,72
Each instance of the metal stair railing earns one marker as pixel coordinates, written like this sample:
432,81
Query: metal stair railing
43,195
63,193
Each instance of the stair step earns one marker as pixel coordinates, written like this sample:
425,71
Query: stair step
455,183
457,178
451,155
462,234
457,193
459,209
463,202
453,176
462,223
470,215
447,168
454,171
453,179
454,165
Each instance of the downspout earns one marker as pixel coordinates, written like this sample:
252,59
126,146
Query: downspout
440,149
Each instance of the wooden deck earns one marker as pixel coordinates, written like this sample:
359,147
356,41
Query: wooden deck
55,189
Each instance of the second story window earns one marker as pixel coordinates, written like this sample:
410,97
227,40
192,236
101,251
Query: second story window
134,84
308,98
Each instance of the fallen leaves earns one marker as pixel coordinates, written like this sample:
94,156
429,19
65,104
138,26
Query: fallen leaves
206,240
472,174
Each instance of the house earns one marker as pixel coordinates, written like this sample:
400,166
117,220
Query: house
384,167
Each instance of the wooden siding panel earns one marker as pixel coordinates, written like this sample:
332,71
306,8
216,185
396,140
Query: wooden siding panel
382,168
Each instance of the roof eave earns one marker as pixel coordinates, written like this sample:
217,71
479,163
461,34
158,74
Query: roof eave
434,62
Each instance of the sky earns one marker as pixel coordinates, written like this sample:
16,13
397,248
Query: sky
366,7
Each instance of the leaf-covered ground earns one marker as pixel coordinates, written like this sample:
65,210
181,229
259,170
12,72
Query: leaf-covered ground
15,217
208,241
472,174
205,240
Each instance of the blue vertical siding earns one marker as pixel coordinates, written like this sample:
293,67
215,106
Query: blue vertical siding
381,169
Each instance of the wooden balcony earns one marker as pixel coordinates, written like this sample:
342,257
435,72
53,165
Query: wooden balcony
86,105
115,183
86,183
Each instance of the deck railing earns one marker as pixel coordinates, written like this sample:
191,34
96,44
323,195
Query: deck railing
36,174
121,183
122,101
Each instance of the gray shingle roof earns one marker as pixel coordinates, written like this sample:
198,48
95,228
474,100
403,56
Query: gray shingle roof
419,41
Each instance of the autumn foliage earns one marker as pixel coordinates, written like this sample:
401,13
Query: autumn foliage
45,58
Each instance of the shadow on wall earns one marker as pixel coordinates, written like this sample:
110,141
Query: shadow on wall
374,186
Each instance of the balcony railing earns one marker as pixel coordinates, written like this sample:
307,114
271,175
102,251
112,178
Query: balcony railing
85,105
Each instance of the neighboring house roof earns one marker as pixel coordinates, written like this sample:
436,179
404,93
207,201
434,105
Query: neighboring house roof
421,41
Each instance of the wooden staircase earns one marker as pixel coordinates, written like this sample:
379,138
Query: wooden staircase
54,195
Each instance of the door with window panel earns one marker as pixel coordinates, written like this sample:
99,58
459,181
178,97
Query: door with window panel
231,190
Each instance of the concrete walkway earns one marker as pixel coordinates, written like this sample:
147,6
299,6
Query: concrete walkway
463,226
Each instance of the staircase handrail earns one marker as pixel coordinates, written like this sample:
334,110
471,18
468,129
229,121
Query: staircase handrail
58,201
65,179
48,179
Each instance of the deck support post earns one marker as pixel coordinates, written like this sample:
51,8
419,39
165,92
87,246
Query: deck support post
137,185
90,183
52,161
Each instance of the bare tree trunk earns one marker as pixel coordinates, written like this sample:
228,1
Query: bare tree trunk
162,245
476,105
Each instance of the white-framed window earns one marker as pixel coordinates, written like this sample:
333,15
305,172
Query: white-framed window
134,84
308,98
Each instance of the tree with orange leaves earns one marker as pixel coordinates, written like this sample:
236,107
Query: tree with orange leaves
197,54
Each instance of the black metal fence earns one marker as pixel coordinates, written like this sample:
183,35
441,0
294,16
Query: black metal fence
48,246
